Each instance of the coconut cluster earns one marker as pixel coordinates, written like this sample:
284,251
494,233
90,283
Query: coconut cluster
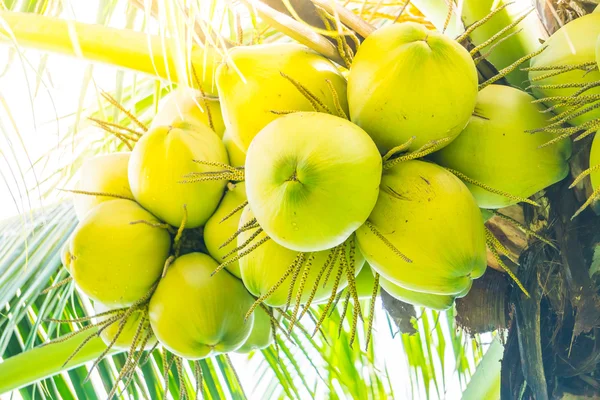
306,187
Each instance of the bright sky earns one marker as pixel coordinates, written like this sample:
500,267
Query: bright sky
30,105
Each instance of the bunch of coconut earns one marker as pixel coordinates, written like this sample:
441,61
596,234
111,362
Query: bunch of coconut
305,186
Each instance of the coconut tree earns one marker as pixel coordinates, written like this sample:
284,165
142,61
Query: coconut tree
538,298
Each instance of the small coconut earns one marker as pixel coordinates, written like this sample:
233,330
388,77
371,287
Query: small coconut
196,315
409,81
237,157
426,232
114,260
365,281
262,268
183,104
105,173
258,82
159,170
261,336
216,231
496,148
312,179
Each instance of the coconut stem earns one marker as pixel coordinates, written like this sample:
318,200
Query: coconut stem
492,190
485,55
389,244
336,100
88,193
273,288
398,149
499,246
314,100
589,201
426,149
344,312
499,34
337,251
199,380
560,69
507,70
243,245
490,242
331,298
160,225
524,228
247,226
118,105
583,174
315,287
372,310
204,100
298,263
301,287
482,21
234,211
241,255
57,285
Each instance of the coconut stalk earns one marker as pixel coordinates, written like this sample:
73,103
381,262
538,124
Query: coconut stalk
45,361
122,48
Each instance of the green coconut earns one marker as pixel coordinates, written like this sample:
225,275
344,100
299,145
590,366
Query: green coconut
420,299
570,45
105,173
196,315
426,214
409,81
158,166
311,180
128,332
114,261
365,281
496,149
216,232
183,104
262,334
262,268
237,157
255,81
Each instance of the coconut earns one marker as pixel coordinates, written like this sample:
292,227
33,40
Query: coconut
496,148
256,81
311,180
365,282
114,261
408,81
237,157
183,104
426,214
262,334
196,315
262,268
216,232
569,46
106,173
159,163
128,332
420,299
